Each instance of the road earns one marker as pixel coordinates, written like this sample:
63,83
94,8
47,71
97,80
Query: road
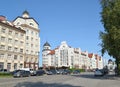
81,80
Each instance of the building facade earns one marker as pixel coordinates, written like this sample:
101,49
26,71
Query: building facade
67,56
12,45
19,43
32,45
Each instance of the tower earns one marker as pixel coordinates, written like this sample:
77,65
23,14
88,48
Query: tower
46,50
32,44
46,46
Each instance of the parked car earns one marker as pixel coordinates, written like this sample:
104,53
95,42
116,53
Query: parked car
54,71
40,72
61,71
49,72
21,73
76,71
99,72
66,71
32,71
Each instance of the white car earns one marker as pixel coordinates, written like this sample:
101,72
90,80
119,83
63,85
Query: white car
98,72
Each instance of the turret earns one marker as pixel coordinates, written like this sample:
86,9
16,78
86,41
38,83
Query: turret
25,14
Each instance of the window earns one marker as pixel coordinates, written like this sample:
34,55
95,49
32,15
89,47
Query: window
2,47
21,42
32,52
31,45
16,41
31,38
26,60
1,65
21,65
3,30
27,31
9,40
15,66
36,40
16,34
36,34
15,57
31,24
27,44
16,49
2,38
18,23
32,60
21,35
10,32
2,55
27,37
21,50
9,56
8,66
27,51
9,48
32,32
21,57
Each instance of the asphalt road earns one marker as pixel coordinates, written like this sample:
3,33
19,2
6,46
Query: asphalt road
81,80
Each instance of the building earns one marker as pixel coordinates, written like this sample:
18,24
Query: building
67,56
12,45
32,45
96,61
19,43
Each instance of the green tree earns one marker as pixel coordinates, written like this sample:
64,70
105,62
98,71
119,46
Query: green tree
111,36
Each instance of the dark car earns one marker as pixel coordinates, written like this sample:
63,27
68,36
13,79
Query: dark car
76,72
55,71
21,73
66,71
40,72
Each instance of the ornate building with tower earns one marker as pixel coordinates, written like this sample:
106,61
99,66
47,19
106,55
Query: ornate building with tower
67,56
19,43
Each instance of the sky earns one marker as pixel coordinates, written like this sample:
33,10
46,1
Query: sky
78,22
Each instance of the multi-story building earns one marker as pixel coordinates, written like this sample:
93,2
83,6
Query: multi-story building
12,45
45,52
67,56
19,43
95,61
32,46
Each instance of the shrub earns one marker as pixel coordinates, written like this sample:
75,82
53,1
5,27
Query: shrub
5,74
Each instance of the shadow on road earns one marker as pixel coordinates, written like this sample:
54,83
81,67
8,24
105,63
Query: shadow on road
91,76
40,84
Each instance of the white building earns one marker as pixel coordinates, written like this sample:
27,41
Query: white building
32,46
66,56
12,45
96,61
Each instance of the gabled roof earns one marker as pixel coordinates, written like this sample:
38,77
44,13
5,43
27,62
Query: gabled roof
52,52
90,55
46,44
25,18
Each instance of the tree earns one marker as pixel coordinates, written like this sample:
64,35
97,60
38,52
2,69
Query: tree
111,36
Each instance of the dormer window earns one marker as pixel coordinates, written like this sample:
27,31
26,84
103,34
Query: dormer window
31,24
18,23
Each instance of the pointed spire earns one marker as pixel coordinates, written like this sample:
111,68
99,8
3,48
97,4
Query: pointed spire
25,14
46,44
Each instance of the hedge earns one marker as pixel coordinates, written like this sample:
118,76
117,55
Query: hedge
5,74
